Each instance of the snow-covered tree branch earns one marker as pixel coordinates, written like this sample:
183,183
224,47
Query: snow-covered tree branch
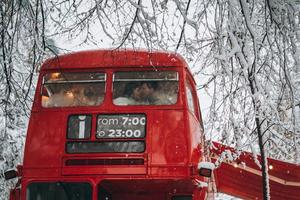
245,54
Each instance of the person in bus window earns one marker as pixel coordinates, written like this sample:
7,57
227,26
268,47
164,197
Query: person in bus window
92,96
148,93
131,95
138,93
84,95
74,95
62,98
152,94
167,94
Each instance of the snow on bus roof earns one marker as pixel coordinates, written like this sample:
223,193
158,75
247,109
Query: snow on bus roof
114,58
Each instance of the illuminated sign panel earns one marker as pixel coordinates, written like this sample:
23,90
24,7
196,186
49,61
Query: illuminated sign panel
121,126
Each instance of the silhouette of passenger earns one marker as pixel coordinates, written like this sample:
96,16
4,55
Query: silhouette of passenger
131,95
60,99
74,95
147,92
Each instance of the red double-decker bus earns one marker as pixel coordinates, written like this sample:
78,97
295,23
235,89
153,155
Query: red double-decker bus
114,124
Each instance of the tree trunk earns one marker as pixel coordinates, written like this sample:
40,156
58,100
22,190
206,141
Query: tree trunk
264,162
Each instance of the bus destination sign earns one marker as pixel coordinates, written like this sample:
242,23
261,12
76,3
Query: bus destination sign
121,126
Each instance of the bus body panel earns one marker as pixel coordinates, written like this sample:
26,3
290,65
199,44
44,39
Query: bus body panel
166,145
167,167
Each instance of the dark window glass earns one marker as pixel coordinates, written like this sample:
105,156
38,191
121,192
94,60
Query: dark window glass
79,126
103,194
182,198
106,147
59,191
145,88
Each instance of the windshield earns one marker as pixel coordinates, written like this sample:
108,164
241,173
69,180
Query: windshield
59,190
73,89
145,88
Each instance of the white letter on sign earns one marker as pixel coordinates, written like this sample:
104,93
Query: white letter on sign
81,126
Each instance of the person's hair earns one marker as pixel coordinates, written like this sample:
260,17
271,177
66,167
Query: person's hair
151,84
89,92
130,87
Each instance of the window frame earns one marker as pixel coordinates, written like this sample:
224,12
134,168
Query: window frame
134,69
42,84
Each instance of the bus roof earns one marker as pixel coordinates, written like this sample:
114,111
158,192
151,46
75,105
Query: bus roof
115,59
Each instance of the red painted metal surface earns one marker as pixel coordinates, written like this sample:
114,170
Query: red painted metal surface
115,59
242,177
168,165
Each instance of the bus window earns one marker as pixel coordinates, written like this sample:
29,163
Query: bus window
103,194
190,99
73,89
145,88
59,190
185,197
